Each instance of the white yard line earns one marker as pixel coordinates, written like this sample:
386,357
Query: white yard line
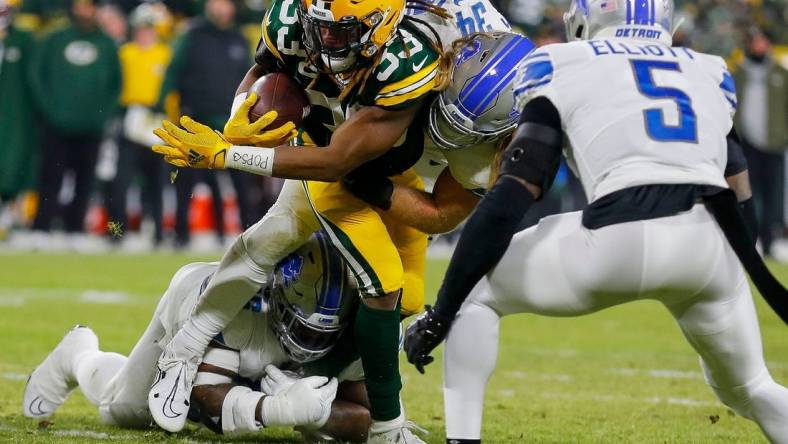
658,373
619,398
13,376
18,297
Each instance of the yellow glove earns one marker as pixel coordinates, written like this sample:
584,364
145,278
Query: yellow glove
197,146
240,131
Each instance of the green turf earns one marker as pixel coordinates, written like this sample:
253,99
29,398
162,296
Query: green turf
623,375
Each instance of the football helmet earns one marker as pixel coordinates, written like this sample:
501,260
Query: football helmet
311,300
585,19
342,30
478,106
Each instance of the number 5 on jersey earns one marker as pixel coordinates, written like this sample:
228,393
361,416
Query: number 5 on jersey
687,129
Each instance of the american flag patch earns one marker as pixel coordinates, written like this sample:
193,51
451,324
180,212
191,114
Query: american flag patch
608,6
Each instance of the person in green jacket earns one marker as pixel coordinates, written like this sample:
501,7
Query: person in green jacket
19,147
76,81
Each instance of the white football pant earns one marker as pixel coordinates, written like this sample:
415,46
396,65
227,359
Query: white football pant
560,268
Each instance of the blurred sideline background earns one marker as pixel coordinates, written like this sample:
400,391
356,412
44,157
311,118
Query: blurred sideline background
83,81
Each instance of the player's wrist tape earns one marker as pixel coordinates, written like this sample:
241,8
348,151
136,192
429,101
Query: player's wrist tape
239,410
251,159
237,102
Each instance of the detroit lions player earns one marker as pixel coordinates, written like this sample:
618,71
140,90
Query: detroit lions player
648,126
296,319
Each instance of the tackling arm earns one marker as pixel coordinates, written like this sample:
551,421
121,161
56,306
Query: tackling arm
438,212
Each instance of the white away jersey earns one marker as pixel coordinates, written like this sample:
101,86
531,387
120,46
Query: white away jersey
470,166
467,17
635,112
248,332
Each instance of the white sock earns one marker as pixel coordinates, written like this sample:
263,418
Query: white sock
385,426
466,373
93,370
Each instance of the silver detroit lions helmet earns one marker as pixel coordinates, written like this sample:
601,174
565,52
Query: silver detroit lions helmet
586,18
311,300
478,106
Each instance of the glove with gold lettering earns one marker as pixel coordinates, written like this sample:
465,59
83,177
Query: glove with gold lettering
195,145
240,131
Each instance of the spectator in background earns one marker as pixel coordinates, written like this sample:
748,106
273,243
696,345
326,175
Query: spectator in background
209,61
76,81
762,119
18,131
38,14
112,21
144,61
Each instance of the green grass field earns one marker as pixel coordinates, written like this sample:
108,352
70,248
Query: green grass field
623,375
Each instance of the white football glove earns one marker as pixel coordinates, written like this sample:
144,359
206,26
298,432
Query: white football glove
277,381
307,402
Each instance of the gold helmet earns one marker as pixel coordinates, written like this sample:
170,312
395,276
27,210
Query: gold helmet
340,30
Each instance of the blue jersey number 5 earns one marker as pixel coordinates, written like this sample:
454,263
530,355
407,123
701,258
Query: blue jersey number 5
687,129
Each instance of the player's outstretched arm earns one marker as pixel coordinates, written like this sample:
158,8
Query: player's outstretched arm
433,213
368,134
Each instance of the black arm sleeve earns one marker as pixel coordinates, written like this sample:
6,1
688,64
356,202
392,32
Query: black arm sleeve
736,160
483,242
496,219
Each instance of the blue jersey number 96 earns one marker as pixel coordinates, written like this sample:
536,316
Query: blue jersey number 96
687,129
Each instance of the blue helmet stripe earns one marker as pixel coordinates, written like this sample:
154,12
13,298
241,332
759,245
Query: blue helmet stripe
641,12
653,12
629,12
497,73
471,86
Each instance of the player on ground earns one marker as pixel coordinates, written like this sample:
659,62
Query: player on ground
376,80
648,127
296,319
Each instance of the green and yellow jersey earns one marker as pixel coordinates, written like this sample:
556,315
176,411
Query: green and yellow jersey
407,71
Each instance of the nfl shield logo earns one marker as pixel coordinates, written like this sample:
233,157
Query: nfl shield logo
608,6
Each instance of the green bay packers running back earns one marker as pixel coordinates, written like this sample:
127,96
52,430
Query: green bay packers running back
366,68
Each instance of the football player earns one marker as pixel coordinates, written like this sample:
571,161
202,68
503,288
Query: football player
297,319
650,146
358,64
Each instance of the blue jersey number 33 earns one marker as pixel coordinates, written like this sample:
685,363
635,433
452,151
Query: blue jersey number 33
687,128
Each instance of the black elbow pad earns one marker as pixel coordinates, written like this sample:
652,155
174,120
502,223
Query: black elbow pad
534,155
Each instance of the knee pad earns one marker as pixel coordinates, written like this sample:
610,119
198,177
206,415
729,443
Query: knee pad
239,411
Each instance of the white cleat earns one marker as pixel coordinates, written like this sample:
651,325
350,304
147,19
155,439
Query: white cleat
53,380
168,399
398,431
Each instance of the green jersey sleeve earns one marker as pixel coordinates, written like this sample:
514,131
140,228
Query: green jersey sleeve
407,72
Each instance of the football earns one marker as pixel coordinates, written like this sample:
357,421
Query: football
279,92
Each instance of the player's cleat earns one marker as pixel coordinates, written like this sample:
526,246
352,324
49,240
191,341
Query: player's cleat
398,431
168,399
53,380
